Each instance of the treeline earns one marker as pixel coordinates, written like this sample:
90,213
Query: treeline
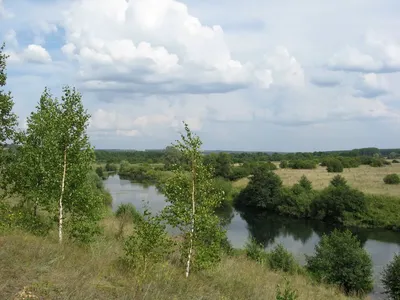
158,156
338,203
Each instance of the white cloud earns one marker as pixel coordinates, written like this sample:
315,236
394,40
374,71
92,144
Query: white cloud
371,85
127,44
31,54
378,56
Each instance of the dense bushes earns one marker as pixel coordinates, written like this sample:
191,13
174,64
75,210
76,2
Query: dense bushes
263,190
391,278
303,164
334,166
339,259
337,200
279,259
391,179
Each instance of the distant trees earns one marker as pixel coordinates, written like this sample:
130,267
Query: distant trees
334,165
339,259
302,164
172,158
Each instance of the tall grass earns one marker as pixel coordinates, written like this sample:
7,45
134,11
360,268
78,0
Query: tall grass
47,270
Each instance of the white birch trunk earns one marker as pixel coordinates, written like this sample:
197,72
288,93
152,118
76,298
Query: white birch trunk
60,204
193,214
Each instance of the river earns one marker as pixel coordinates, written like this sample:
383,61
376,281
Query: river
298,236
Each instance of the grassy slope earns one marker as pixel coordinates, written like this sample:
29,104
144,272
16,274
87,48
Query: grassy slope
49,271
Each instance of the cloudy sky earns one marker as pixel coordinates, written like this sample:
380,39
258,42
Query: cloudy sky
279,75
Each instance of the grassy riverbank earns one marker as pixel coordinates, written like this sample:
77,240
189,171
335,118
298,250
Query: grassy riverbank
50,271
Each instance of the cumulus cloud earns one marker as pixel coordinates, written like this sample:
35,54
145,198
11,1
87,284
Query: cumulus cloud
125,45
31,54
378,56
370,85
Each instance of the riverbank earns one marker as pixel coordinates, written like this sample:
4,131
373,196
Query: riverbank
49,271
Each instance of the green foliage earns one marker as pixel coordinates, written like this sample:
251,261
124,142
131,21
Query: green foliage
287,294
338,181
391,179
305,183
391,278
192,201
334,166
295,202
281,259
111,167
149,243
100,172
8,120
339,259
393,155
395,161
284,164
126,213
334,202
303,164
263,190
377,162
172,158
256,252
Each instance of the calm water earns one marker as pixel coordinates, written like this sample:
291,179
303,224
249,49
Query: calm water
298,236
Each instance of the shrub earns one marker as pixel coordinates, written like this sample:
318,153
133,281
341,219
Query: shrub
305,183
391,278
256,252
335,201
287,294
126,213
338,181
284,164
303,164
334,166
148,244
377,162
395,161
295,202
110,167
339,259
280,259
263,190
99,172
391,179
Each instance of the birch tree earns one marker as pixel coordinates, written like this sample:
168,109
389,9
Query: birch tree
8,120
192,200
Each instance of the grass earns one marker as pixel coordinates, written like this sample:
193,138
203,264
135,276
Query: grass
46,270
364,178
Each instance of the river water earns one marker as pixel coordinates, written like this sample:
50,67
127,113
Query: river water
298,236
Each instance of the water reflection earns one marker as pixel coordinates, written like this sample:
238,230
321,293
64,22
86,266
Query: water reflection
298,236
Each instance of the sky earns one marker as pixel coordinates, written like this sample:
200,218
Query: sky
259,75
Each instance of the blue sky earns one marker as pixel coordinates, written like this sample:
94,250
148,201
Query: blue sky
246,75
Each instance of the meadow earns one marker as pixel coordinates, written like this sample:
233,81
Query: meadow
39,268
364,178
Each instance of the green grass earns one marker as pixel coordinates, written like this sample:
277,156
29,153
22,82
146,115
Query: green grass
47,270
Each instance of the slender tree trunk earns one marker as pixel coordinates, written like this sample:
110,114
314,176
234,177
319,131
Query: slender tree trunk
60,204
35,206
193,214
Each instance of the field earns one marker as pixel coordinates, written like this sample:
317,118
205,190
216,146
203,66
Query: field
45,270
365,178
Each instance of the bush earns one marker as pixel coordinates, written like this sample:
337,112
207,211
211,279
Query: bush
305,183
377,162
263,190
395,161
126,213
99,172
391,278
334,202
295,202
303,164
338,181
391,179
281,259
284,164
334,166
339,259
110,167
148,244
287,294
256,252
